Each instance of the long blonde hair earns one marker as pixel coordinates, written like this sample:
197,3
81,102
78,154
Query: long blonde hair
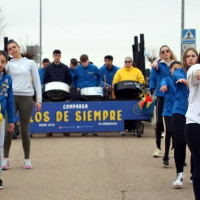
172,55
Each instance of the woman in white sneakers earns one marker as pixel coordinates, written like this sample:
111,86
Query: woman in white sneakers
22,72
193,124
190,57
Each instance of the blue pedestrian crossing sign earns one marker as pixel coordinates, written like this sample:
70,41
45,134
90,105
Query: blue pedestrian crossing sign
188,36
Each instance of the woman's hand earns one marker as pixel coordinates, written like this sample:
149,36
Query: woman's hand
198,74
183,81
163,88
155,64
11,127
38,106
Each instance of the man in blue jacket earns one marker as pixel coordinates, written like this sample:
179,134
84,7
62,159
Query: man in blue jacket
45,63
108,70
86,74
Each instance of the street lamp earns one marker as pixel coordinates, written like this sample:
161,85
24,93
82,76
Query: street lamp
40,57
182,21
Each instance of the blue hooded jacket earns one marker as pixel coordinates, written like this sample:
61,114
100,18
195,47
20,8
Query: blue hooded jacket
156,76
182,93
169,97
6,98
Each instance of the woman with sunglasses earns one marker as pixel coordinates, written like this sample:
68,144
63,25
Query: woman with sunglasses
190,57
156,75
22,71
128,73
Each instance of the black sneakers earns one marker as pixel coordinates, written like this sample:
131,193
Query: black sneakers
165,162
1,184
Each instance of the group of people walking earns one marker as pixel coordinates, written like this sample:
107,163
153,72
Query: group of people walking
173,82
20,80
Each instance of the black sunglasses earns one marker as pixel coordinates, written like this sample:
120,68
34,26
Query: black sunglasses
165,51
128,61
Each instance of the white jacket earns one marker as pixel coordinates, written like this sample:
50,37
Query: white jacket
24,74
193,112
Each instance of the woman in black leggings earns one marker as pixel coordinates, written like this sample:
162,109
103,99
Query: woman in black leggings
190,57
192,130
159,71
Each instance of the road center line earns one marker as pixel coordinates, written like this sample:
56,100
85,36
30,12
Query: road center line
101,153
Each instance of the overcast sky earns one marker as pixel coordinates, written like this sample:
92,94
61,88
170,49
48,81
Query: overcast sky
98,28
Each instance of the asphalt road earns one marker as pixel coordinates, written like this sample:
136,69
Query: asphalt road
106,167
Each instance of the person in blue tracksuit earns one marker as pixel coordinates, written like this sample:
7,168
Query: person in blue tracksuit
156,75
45,63
107,71
73,64
168,87
190,57
86,74
6,104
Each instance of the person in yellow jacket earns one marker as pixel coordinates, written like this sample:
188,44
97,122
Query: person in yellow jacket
129,72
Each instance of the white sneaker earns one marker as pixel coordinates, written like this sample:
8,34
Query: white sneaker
134,132
122,133
157,153
5,163
27,164
178,183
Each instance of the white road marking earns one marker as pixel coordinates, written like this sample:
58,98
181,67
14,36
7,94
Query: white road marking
101,153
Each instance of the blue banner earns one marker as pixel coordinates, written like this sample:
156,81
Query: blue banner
85,116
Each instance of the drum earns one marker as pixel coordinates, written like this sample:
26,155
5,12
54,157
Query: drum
57,91
127,89
91,93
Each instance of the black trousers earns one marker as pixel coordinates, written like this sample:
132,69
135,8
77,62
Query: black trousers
159,120
192,133
180,141
169,135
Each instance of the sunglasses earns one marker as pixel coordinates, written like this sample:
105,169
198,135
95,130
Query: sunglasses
165,51
128,61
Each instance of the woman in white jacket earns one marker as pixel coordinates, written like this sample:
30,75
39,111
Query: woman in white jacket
193,124
22,71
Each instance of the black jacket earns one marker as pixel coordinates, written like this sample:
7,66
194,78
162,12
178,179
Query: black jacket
57,73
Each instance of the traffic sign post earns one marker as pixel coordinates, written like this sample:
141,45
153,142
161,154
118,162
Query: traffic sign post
188,39
188,36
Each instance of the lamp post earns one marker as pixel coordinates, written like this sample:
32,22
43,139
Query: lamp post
182,21
40,57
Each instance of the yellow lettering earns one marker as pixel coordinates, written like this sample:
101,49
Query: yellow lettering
112,115
97,115
84,116
66,119
31,120
46,116
59,116
105,115
89,117
77,116
119,115
38,116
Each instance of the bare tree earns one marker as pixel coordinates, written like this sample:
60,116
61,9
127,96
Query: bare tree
152,55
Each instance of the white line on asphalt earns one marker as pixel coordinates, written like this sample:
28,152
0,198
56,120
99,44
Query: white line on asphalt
101,153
